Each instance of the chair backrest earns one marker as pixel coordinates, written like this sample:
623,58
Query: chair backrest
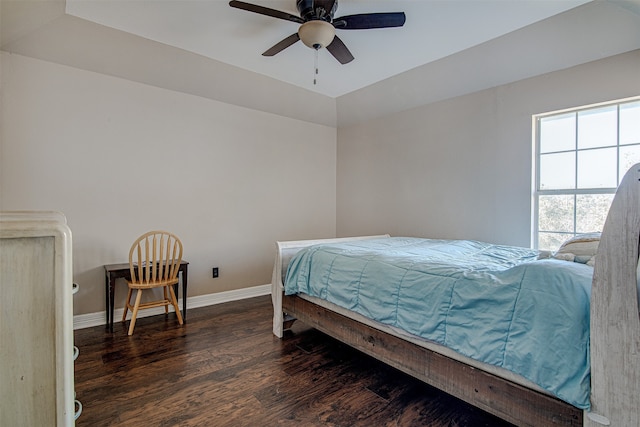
155,257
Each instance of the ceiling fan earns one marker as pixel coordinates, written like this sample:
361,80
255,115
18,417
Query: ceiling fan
317,29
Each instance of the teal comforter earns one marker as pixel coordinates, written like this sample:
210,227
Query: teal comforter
496,304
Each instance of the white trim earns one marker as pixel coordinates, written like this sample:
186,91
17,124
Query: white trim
88,320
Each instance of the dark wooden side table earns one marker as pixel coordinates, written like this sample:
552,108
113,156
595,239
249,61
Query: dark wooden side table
121,271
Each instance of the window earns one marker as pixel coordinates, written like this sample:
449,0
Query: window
581,157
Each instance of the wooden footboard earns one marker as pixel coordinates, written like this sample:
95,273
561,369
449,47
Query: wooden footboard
615,313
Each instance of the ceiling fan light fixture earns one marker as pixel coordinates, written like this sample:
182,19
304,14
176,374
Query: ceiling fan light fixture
316,34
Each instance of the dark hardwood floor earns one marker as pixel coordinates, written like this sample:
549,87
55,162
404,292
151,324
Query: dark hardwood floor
225,368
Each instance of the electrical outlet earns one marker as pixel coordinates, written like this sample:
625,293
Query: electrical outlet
215,272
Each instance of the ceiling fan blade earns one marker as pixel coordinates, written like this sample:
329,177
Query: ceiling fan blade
339,51
282,45
366,21
265,11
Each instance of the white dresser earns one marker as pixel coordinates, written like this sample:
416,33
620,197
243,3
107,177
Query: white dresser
36,320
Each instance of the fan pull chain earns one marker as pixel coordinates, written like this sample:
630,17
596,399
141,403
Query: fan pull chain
315,65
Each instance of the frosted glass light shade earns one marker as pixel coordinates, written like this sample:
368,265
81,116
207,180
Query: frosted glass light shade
316,34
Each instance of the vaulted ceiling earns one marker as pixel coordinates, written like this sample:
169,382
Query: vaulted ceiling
433,30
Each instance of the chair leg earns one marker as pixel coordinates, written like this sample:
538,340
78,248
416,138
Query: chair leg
135,312
174,302
127,305
166,298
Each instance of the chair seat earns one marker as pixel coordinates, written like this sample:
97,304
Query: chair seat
151,285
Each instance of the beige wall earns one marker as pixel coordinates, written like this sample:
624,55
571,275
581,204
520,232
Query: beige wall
239,179
461,168
120,158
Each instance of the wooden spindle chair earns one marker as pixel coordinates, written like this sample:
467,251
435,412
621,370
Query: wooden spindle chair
154,260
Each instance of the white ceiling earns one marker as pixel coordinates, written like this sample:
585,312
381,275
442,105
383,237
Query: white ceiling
434,29
208,49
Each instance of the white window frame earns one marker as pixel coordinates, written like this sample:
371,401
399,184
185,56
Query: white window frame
537,192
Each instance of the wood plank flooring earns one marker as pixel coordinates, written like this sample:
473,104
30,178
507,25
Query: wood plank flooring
225,368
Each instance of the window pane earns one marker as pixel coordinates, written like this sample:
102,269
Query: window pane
598,168
557,171
591,211
558,133
582,154
598,127
552,241
629,156
555,213
630,123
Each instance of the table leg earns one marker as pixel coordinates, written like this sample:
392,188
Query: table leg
184,293
112,292
107,299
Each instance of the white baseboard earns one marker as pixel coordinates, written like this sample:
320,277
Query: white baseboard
82,321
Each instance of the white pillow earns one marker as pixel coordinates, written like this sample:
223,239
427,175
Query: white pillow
581,248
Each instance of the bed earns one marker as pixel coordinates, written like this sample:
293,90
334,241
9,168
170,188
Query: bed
609,326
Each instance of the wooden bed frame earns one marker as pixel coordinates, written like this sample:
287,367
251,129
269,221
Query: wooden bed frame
615,335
